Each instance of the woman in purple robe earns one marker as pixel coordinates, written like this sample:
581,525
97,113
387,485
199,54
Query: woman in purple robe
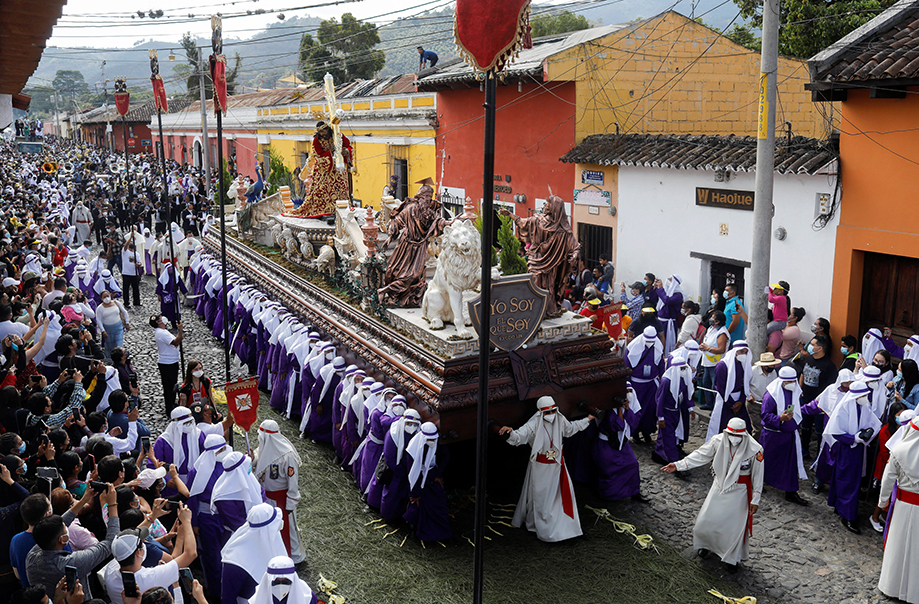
393,496
616,467
427,509
645,357
318,423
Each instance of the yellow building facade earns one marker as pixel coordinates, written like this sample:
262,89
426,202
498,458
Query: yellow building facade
390,134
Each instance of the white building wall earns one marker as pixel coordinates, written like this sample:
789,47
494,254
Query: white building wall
660,226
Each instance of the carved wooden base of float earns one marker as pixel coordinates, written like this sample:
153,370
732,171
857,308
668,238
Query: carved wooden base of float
443,390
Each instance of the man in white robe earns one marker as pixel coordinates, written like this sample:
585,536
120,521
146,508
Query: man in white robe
547,504
725,522
82,219
901,551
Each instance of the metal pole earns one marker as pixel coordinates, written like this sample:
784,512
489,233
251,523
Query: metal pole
172,251
223,244
206,145
481,449
765,166
109,142
127,163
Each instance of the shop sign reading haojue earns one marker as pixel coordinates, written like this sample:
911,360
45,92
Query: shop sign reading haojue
517,309
723,198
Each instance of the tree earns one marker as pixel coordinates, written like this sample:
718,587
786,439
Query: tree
743,35
346,50
70,82
42,103
512,263
189,71
559,23
279,174
809,27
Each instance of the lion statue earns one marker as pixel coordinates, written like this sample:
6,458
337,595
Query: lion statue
458,270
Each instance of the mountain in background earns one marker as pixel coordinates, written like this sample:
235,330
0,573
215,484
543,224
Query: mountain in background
272,54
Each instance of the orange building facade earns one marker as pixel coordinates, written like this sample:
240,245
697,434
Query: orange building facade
876,267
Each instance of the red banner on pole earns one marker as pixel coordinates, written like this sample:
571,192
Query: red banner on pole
219,77
122,102
242,400
159,94
488,33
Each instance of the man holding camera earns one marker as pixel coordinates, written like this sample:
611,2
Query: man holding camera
131,270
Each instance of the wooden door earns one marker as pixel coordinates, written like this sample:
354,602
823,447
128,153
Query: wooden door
890,295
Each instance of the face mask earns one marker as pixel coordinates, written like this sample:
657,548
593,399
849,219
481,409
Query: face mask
725,294
25,468
411,428
734,440
549,417
683,312
15,346
789,386
810,349
197,373
878,365
714,299
844,350
106,300
22,448
398,410
280,591
863,400
899,373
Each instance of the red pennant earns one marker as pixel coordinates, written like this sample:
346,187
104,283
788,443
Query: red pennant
159,94
242,400
488,33
219,77
122,102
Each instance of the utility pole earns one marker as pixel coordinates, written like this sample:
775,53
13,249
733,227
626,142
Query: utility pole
765,172
206,145
57,115
108,125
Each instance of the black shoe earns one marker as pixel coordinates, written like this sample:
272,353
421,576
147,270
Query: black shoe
732,568
657,458
648,440
640,498
815,488
681,474
852,527
703,553
793,497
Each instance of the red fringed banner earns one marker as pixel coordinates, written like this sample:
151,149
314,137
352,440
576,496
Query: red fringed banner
122,102
219,77
242,400
489,34
159,94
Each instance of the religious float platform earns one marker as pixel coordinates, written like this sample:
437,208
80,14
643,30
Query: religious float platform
436,370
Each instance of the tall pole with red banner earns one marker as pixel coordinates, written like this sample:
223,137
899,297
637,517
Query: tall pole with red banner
487,50
123,104
162,106
218,64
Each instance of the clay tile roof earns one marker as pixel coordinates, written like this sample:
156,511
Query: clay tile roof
137,113
800,155
884,50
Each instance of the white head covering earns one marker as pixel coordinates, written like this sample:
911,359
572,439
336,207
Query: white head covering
911,350
694,355
182,424
871,344
237,482
845,419
282,567
906,416
635,407
112,383
426,440
906,451
108,282
729,359
726,464
777,390
357,404
337,364
397,431
676,373
349,386
257,541
637,346
396,406
548,434
375,398
830,397
205,464
671,286
871,375
272,447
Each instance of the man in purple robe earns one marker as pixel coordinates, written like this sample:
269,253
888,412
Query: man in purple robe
353,425
167,289
180,444
732,388
669,307
617,469
850,428
246,554
673,397
783,465
201,480
645,357
341,401
235,493
318,422
427,509
390,490
390,409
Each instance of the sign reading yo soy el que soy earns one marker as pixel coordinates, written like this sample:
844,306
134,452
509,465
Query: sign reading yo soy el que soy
517,309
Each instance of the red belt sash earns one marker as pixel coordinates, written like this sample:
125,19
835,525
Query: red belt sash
745,480
908,497
563,483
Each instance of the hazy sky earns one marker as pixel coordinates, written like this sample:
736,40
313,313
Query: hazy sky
104,23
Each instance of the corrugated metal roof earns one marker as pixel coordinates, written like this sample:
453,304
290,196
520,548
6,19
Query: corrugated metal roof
799,155
25,26
529,62
885,49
